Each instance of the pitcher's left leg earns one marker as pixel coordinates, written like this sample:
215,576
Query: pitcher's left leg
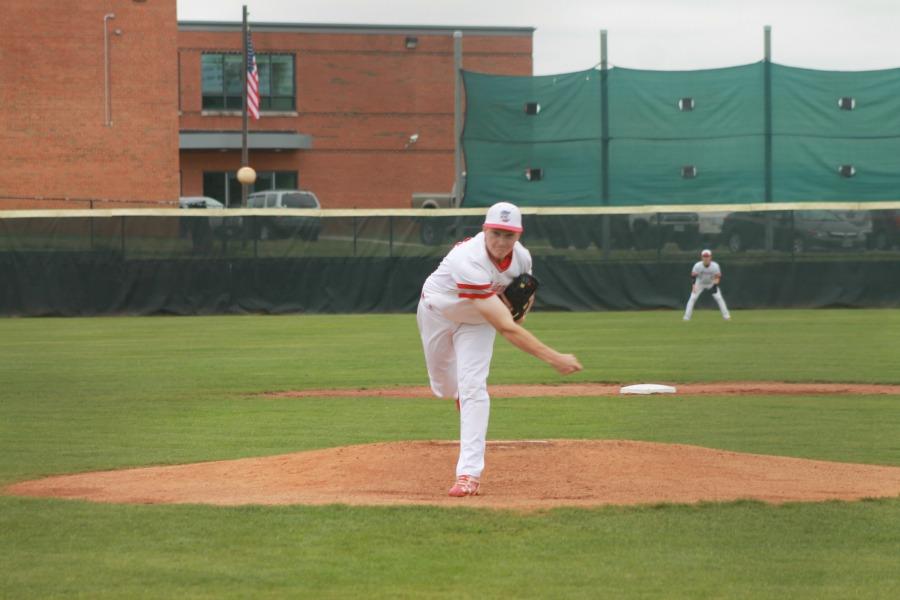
474,346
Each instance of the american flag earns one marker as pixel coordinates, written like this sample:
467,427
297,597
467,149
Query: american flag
252,80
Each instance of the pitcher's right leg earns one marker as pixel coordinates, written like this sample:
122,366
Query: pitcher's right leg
440,355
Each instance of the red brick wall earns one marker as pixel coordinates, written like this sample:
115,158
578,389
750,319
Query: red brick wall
52,131
360,96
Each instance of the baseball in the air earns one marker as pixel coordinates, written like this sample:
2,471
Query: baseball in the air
246,175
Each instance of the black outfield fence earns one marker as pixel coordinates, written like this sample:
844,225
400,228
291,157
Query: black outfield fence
181,262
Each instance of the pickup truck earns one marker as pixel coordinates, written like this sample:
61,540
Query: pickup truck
437,230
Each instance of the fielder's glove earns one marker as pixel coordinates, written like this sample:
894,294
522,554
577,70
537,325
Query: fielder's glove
518,294
714,288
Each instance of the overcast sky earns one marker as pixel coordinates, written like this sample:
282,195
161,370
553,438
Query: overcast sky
648,34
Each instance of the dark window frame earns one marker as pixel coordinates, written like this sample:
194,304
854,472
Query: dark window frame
223,101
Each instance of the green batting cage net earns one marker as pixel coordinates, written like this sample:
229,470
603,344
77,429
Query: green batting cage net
216,261
624,137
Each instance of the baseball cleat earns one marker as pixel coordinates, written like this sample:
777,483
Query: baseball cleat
465,486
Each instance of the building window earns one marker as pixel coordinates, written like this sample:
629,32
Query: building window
223,81
224,186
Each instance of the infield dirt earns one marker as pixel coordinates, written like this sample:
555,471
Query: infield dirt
522,475
728,388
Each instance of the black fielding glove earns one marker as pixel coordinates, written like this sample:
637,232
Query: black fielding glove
519,293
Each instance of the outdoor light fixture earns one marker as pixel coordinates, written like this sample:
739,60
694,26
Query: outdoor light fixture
534,174
686,104
688,172
412,140
846,103
532,108
847,170
411,42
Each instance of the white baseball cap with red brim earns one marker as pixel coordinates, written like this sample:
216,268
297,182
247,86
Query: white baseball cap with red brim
504,215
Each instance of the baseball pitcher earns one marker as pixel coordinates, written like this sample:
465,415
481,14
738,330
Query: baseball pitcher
483,286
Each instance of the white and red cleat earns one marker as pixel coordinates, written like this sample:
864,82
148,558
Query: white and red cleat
465,486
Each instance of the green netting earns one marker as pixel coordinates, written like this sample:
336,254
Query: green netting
807,168
726,102
729,170
660,122
569,107
497,170
805,102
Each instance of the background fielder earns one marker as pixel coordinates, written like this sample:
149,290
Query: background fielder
459,315
706,275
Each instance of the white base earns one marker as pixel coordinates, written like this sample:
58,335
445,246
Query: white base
647,388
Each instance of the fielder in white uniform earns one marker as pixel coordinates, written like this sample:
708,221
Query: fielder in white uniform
459,315
706,275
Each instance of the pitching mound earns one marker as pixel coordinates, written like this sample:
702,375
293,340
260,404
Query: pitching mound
726,388
522,475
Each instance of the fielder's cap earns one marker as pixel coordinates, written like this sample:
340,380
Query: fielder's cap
706,253
504,215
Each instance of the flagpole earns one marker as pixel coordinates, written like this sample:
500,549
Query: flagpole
245,155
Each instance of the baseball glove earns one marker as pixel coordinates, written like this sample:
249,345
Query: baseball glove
518,294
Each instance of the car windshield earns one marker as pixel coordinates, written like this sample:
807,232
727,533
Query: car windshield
299,201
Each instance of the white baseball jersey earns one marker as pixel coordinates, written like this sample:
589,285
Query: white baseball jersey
468,273
706,275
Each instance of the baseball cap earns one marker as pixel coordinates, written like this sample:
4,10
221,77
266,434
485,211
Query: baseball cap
504,215
706,253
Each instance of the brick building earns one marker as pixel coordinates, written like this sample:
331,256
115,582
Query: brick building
139,109
62,135
340,103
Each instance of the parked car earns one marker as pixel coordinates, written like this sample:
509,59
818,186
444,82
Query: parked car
266,227
794,231
199,202
200,230
654,230
437,230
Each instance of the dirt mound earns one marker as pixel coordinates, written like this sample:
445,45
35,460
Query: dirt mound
731,388
522,475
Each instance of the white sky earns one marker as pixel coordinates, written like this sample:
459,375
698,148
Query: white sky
648,34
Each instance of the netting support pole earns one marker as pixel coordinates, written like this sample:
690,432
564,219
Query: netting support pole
767,99
390,237
457,118
604,150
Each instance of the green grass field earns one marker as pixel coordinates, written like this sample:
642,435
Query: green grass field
87,394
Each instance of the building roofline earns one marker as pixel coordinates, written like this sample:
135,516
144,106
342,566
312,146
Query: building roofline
354,28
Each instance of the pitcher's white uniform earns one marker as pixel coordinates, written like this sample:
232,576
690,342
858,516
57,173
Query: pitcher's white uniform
705,277
458,342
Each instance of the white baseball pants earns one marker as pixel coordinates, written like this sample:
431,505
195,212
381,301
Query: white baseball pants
717,296
458,357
